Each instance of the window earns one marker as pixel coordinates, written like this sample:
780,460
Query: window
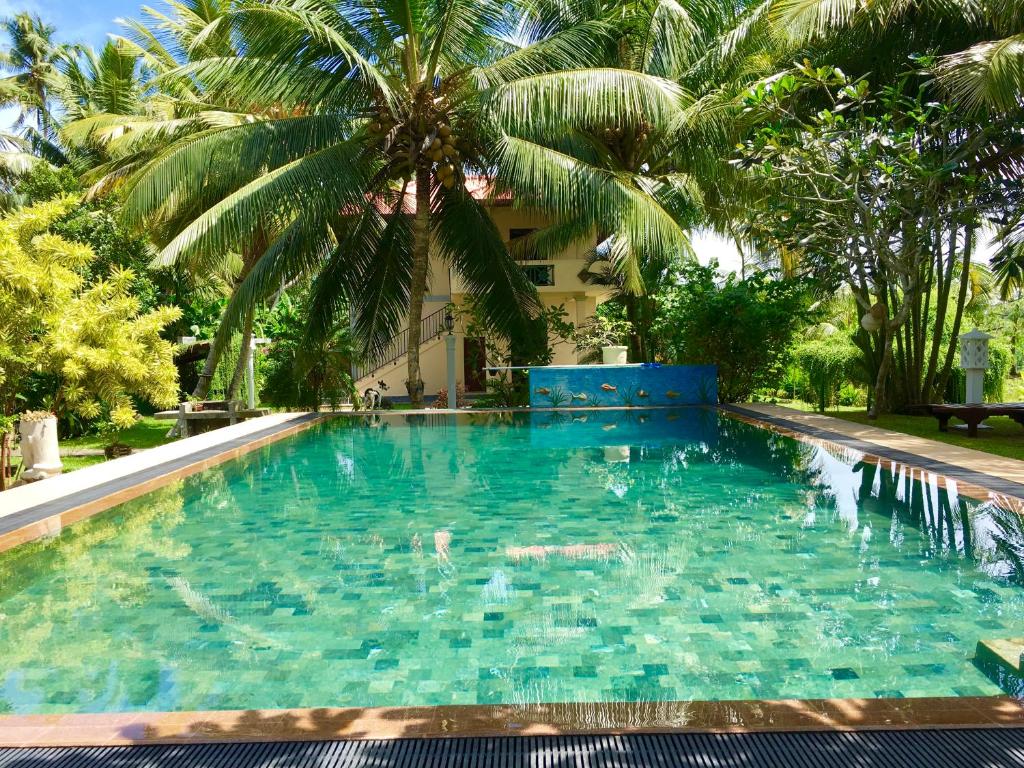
540,274
527,253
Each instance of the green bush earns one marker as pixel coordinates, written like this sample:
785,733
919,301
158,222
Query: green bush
300,372
745,327
827,363
850,394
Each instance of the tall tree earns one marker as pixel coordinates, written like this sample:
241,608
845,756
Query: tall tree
125,125
885,190
382,111
32,79
639,182
31,63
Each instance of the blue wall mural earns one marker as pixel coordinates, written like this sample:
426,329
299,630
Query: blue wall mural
589,386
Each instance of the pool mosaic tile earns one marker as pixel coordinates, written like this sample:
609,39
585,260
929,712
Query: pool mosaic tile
514,559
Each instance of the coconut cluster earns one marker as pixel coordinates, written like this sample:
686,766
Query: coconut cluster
619,137
412,142
444,155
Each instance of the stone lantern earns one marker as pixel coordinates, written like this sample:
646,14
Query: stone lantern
974,361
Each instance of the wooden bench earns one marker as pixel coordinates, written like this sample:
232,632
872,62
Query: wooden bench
195,418
972,415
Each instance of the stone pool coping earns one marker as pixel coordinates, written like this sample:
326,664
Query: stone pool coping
89,491
465,721
980,475
42,509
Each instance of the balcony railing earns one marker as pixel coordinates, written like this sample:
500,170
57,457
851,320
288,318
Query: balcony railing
541,275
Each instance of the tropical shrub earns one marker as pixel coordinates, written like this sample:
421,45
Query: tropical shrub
827,363
601,331
745,327
83,345
303,373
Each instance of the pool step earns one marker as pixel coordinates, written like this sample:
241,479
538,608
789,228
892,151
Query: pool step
1003,662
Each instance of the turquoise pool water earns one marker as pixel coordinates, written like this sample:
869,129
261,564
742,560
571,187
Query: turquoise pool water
494,558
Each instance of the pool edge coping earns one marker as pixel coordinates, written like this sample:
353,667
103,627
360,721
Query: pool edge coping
49,518
360,723
481,721
978,485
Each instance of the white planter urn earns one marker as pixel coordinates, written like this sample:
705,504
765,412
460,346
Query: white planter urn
40,453
614,355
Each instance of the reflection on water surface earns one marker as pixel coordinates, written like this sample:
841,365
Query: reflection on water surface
613,556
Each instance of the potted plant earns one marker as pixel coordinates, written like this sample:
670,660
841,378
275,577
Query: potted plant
607,335
111,434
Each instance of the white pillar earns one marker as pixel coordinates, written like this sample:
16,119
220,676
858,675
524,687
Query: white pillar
975,386
251,383
250,386
449,345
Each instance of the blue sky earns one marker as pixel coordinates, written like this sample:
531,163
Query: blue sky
85,21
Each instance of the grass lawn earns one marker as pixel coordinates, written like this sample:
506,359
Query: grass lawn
146,433
1006,438
71,463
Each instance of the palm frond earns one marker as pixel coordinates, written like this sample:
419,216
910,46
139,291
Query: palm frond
324,182
231,156
989,73
469,240
546,104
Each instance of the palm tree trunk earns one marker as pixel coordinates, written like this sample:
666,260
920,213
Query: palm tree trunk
961,302
635,343
209,369
418,285
250,255
243,357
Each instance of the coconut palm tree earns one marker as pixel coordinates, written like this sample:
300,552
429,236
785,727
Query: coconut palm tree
381,110
135,123
32,78
981,42
104,82
649,179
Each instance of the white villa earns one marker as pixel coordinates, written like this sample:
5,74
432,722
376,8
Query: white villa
557,282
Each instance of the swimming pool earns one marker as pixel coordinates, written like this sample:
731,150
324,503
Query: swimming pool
514,558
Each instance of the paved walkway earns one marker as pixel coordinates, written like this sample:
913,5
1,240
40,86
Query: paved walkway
966,458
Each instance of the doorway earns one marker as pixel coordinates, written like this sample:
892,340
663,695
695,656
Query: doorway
474,358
